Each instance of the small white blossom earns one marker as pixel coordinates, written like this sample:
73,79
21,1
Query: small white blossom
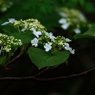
66,46
68,40
63,14
50,35
34,42
5,23
62,21
72,51
77,31
36,33
47,46
65,26
12,20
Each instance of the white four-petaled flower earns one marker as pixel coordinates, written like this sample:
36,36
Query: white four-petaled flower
67,47
77,31
11,20
34,42
64,23
50,34
36,33
65,26
63,14
68,40
48,46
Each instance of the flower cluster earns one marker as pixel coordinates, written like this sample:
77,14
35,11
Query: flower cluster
73,19
50,42
42,39
8,43
4,5
25,25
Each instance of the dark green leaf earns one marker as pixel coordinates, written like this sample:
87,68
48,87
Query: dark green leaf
25,37
44,59
91,31
77,36
88,34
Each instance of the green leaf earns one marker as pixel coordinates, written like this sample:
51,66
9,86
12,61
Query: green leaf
44,59
2,58
88,34
25,37
77,36
91,31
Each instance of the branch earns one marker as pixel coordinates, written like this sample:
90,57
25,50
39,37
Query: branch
48,79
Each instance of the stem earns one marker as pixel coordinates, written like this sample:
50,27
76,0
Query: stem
41,72
16,57
19,30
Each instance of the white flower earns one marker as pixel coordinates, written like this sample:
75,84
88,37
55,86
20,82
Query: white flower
62,21
34,42
68,40
47,46
66,46
65,26
36,33
12,20
63,14
5,23
25,27
50,35
72,51
77,31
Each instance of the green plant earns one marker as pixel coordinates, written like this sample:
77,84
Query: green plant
46,50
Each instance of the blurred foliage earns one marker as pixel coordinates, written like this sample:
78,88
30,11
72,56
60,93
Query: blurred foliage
44,10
